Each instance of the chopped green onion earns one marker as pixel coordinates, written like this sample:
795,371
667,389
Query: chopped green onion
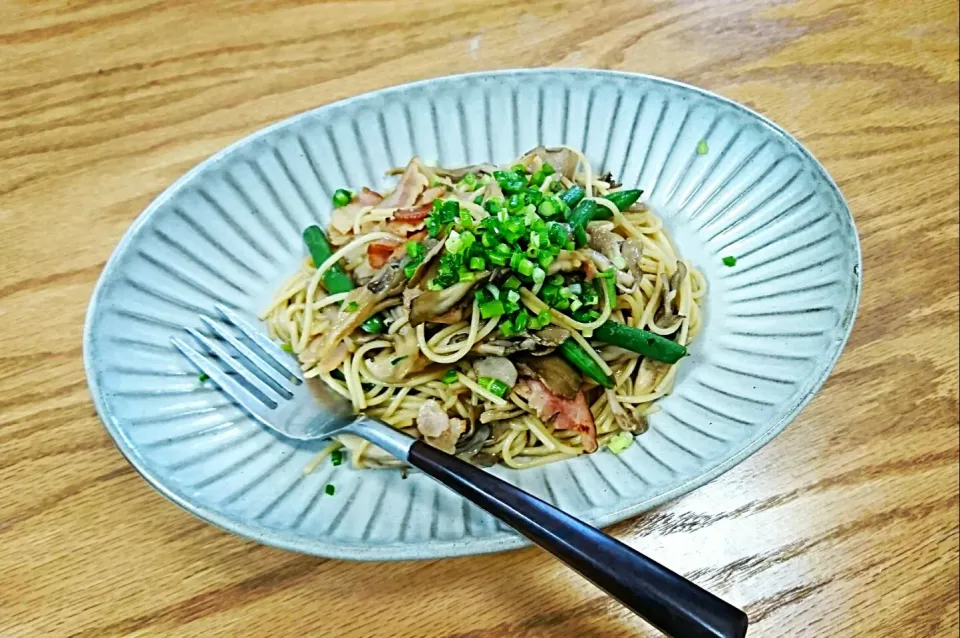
702,148
495,386
373,325
415,250
410,269
533,196
620,442
477,263
549,207
450,207
521,320
513,295
510,181
453,243
203,376
341,198
491,309
450,377
730,261
286,347
525,267
539,274
512,283
336,457
493,205
330,490
469,181
353,306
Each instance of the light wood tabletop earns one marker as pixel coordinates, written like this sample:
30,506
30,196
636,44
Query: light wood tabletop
844,525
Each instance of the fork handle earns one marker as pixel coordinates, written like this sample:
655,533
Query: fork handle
667,600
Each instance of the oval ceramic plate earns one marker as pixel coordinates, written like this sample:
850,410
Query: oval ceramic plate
229,232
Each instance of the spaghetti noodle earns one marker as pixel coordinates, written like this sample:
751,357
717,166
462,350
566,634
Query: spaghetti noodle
520,314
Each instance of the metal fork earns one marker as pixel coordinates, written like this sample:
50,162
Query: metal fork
268,383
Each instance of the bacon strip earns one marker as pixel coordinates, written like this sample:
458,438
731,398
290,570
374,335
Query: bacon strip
571,414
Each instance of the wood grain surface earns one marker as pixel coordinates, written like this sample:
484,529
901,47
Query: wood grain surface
844,525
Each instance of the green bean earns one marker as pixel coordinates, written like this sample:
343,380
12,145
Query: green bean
649,344
623,201
572,196
335,279
580,216
581,360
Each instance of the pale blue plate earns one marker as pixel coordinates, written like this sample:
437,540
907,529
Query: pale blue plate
229,232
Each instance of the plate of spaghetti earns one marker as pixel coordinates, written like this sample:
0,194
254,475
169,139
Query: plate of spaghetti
607,288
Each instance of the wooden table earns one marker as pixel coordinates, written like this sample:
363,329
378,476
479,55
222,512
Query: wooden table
845,525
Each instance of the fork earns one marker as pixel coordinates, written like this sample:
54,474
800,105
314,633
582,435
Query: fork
268,383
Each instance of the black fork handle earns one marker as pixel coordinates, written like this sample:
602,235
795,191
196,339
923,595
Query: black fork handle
667,600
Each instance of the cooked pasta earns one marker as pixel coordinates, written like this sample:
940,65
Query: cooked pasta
520,314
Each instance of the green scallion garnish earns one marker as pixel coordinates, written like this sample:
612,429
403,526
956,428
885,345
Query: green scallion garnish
341,198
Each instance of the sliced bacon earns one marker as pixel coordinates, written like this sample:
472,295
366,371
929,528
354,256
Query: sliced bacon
367,197
571,414
408,189
590,270
413,214
407,221
342,218
379,252
431,194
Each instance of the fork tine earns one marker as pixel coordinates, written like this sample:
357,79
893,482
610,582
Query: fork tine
234,390
273,398
279,356
256,360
